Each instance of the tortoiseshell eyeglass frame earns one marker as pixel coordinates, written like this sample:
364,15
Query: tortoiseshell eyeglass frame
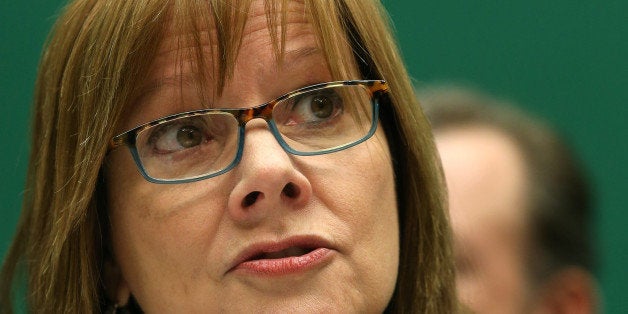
375,88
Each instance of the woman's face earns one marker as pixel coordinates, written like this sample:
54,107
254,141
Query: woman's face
278,232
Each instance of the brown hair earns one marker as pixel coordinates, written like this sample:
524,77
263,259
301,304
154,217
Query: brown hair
97,52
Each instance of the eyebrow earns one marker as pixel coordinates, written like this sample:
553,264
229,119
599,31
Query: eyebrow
290,59
156,84
293,56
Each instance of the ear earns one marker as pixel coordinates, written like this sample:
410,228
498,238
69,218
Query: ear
570,291
116,287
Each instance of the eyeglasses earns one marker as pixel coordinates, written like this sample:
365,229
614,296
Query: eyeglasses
313,120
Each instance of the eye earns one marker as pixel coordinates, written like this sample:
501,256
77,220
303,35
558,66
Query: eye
322,107
177,136
315,107
189,136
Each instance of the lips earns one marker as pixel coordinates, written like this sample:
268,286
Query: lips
292,251
293,255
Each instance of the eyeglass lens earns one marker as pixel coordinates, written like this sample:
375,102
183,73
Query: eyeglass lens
309,122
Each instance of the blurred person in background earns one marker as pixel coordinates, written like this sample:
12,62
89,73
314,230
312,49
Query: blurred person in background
519,203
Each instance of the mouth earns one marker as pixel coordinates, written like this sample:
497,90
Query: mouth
293,255
293,251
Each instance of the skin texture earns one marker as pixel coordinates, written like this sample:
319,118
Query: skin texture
175,245
486,179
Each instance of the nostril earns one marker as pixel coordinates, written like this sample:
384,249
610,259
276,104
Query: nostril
250,198
291,190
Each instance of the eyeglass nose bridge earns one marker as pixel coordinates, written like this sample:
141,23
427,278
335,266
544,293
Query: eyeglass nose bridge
263,111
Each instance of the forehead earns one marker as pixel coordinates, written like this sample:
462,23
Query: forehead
215,37
486,178
202,52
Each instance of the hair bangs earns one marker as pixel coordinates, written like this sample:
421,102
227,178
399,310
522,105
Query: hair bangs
214,32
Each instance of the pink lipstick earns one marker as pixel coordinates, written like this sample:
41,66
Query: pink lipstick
293,255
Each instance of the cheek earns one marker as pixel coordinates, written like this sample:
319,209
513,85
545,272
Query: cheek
362,190
361,194
161,228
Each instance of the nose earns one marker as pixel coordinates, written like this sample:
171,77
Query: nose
269,182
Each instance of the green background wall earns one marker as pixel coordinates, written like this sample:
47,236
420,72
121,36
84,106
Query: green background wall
565,60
